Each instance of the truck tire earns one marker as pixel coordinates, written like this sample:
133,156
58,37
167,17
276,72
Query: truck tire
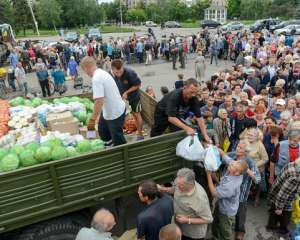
63,228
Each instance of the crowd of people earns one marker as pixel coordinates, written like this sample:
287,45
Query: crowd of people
250,112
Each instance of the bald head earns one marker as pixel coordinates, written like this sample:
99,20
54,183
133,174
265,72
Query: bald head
103,221
170,232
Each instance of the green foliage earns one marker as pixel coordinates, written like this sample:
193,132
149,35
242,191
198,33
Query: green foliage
136,15
254,9
22,15
234,8
6,12
49,13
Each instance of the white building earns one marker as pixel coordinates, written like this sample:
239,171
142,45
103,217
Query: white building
217,11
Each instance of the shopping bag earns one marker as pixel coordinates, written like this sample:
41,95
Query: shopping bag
212,160
295,218
190,148
226,145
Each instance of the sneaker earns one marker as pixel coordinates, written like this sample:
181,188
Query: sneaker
108,143
140,138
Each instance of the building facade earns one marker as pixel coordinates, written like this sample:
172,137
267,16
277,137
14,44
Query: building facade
217,11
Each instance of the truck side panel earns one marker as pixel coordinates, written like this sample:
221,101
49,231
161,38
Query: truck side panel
41,192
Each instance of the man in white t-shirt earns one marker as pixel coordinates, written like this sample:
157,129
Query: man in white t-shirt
108,102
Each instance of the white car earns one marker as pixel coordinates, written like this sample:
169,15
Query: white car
150,24
288,30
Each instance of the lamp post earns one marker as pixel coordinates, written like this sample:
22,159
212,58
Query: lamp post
33,17
121,14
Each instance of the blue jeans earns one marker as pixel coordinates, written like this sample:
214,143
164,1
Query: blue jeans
214,56
112,130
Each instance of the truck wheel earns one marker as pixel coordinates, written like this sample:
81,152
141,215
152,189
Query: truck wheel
58,229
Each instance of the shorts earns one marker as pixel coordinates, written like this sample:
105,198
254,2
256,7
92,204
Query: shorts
135,105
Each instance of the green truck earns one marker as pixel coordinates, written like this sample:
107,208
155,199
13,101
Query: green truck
54,200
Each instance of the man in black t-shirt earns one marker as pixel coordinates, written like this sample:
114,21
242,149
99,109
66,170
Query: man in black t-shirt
173,109
129,84
158,213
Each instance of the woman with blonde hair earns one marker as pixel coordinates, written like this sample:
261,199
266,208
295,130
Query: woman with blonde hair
260,157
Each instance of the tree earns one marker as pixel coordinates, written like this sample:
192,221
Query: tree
197,10
177,10
136,15
157,12
234,8
49,13
112,10
23,18
255,9
283,8
6,12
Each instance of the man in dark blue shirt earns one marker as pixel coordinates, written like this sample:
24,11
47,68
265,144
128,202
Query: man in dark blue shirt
158,213
129,85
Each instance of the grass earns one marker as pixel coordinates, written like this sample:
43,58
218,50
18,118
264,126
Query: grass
52,32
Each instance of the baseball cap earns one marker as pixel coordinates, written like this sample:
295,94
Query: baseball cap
280,102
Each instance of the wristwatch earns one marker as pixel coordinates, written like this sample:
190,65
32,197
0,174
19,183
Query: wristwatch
189,222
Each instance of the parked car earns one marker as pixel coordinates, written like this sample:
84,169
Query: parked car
210,24
288,30
172,24
232,26
262,24
150,24
94,33
72,37
284,24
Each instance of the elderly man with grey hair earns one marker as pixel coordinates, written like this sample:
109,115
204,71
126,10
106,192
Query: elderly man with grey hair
102,223
251,175
191,205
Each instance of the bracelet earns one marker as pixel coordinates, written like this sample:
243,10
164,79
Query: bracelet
189,221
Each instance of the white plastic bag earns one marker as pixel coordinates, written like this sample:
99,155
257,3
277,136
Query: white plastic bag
190,148
212,160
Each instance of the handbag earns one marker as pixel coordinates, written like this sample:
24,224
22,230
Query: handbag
226,145
295,218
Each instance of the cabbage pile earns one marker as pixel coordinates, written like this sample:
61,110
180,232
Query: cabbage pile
52,150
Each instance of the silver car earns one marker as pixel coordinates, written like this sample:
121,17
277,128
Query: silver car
233,26
288,30
150,24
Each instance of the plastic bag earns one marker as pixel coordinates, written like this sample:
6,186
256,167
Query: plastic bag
190,148
212,160
295,218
